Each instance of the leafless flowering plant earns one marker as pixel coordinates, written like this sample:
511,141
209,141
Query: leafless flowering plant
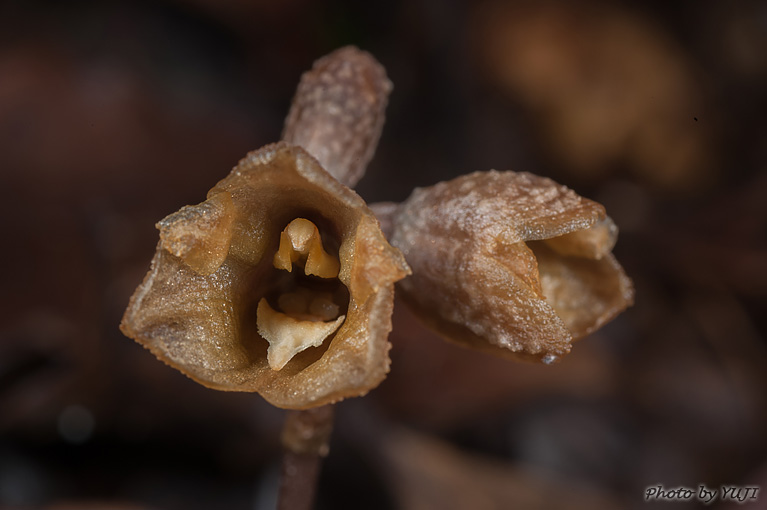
282,281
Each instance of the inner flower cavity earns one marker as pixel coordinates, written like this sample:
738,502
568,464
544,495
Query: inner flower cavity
306,311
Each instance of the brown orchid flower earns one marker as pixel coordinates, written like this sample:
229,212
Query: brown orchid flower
282,281
509,263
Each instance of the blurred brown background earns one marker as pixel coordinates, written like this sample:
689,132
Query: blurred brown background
114,114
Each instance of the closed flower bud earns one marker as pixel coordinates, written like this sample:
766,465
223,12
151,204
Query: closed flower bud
338,112
509,263
281,283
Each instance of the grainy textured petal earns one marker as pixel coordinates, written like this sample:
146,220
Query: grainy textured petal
491,304
593,243
338,112
200,234
205,325
585,292
477,282
505,207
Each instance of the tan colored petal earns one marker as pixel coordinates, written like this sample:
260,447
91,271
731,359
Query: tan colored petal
593,243
338,112
200,234
476,281
585,292
205,324
500,207
491,304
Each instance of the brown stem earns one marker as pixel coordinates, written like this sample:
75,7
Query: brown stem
305,440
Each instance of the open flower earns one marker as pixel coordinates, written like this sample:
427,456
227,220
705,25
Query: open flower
282,281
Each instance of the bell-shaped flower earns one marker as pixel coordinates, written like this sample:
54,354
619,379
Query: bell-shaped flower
281,282
509,263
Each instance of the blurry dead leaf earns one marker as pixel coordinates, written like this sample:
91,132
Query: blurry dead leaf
605,87
427,473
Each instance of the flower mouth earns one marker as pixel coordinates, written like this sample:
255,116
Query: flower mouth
306,302
214,302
